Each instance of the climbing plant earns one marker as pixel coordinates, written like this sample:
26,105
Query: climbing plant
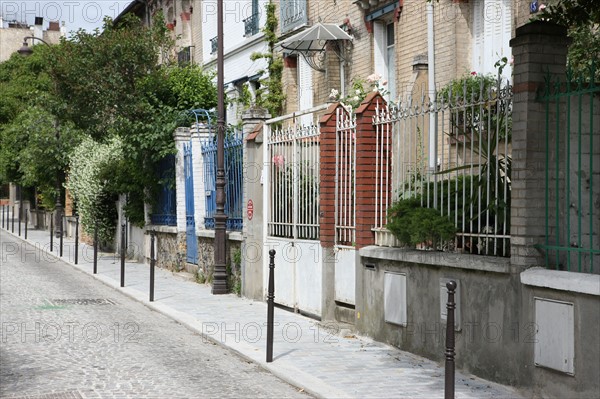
270,95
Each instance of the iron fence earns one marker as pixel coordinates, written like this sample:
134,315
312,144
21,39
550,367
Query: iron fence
345,188
233,146
572,178
165,213
454,154
293,147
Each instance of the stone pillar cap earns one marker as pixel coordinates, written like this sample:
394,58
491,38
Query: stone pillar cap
182,134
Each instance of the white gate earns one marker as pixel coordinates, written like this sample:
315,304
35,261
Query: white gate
345,211
291,209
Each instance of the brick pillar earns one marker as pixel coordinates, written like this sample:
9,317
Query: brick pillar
327,176
538,48
366,169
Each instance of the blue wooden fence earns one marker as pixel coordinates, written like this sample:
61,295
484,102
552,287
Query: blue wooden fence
165,213
233,176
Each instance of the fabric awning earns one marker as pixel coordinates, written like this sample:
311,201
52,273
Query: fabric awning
314,39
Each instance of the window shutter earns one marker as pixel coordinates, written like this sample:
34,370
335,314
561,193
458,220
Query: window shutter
478,35
379,48
305,89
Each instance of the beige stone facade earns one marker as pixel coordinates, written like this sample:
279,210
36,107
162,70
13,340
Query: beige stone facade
11,38
455,31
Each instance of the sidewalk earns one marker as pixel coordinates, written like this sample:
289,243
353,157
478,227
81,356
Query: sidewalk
324,363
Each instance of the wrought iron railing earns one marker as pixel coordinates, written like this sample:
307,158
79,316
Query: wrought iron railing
455,155
166,209
251,25
233,147
292,14
293,150
213,45
184,56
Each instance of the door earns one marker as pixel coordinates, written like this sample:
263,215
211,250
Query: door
292,213
345,210
190,225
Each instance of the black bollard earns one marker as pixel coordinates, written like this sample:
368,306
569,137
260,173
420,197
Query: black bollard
12,220
26,220
51,232
3,218
450,306
76,239
271,306
122,255
60,239
20,216
152,263
96,248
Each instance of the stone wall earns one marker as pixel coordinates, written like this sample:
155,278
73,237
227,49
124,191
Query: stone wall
206,260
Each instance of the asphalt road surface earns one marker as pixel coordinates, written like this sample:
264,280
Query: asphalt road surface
66,335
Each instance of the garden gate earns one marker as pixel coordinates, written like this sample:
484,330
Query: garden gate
291,206
345,211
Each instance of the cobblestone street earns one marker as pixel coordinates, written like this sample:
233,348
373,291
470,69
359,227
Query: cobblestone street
64,335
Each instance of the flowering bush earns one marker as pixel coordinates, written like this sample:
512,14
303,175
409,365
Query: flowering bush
91,165
359,89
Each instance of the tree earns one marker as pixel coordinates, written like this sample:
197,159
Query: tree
118,84
582,18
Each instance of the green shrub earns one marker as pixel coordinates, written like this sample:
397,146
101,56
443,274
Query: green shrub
412,223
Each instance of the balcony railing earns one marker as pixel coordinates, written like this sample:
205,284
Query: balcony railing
251,25
184,57
292,14
213,45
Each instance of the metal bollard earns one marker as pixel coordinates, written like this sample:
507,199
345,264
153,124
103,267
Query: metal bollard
62,233
51,231
26,220
12,220
20,216
76,239
271,306
451,305
3,216
152,264
96,248
122,255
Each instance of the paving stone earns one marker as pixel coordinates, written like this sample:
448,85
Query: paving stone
306,354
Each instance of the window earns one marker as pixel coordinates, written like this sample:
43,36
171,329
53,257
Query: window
251,23
292,14
491,35
305,90
385,54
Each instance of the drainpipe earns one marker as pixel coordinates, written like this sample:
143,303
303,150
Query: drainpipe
432,94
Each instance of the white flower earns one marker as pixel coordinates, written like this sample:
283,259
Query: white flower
356,98
334,94
374,77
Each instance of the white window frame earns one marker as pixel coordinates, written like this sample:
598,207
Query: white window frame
380,54
491,35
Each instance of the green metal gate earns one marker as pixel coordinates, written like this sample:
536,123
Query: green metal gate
572,181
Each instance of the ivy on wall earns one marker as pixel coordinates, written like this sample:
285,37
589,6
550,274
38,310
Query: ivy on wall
270,95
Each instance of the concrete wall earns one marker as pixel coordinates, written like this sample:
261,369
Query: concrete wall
497,319
252,245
